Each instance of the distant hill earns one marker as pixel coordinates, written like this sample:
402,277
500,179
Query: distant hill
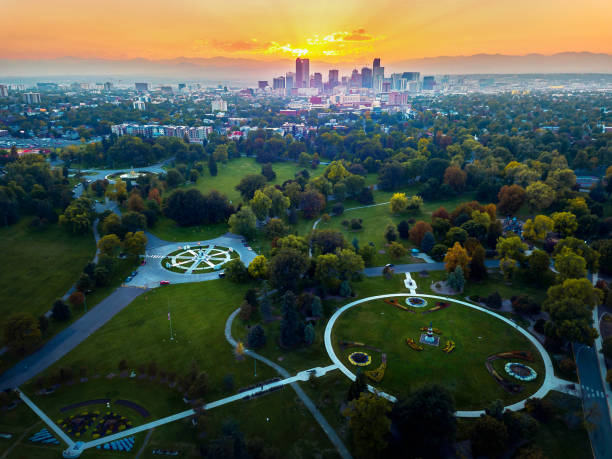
224,69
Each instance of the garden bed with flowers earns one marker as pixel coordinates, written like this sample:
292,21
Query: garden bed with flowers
467,338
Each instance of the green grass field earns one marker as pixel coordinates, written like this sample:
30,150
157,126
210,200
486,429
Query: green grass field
463,372
230,174
39,266
141,334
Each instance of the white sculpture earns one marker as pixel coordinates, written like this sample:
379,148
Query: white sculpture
410,284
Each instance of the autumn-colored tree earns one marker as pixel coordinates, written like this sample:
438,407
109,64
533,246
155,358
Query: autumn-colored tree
537,229
369,424
565,223
135,243
569,264
441,213
312,203
154,195
258,269
491,209
260,204
398,203
418,231
396,250
22,332
539,196
511,247
455,177
511,198
457,256
109,244
135,202
76,299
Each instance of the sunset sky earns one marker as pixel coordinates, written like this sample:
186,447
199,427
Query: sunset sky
326,30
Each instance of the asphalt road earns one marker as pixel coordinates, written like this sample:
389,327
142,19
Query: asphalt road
69,338
418,267
594,401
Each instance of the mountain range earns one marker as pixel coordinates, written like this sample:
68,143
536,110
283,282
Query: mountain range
247,71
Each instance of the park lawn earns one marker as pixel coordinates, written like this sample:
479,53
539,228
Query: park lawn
18,421
168,230
140,334
493,283
39,266
293,360
290,427
463,372
230,174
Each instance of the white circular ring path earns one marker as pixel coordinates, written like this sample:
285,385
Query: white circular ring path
549,376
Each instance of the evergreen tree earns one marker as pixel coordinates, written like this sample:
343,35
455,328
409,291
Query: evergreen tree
212,166
309,334
345,289
316,308
290,323
428,242
355,243
257,337
455,280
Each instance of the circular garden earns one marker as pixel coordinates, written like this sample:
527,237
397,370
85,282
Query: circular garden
198,259
466,352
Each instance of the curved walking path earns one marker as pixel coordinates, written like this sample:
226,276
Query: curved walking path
329,431
550,380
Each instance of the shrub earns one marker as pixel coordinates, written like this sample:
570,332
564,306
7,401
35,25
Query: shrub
438,252
494,300
345,223
607,348
61,311
235,271
345,289
338,209
539,326
257,337
524,304
568,366
540,409
246,310
356,223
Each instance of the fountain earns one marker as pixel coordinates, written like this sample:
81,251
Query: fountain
429,337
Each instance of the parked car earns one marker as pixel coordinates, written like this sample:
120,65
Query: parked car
389,265
134,273
129,278
221,275
164,282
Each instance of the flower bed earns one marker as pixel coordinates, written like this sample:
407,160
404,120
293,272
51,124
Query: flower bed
360,359
410,342
78,424
416,302
111,423
520,371
437,331
450,347
437,307
378,374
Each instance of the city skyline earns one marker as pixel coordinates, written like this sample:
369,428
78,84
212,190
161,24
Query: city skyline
265,31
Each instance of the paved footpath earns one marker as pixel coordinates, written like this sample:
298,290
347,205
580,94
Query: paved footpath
329,431
69,338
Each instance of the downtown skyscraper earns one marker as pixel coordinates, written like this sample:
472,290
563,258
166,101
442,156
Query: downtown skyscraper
302,73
